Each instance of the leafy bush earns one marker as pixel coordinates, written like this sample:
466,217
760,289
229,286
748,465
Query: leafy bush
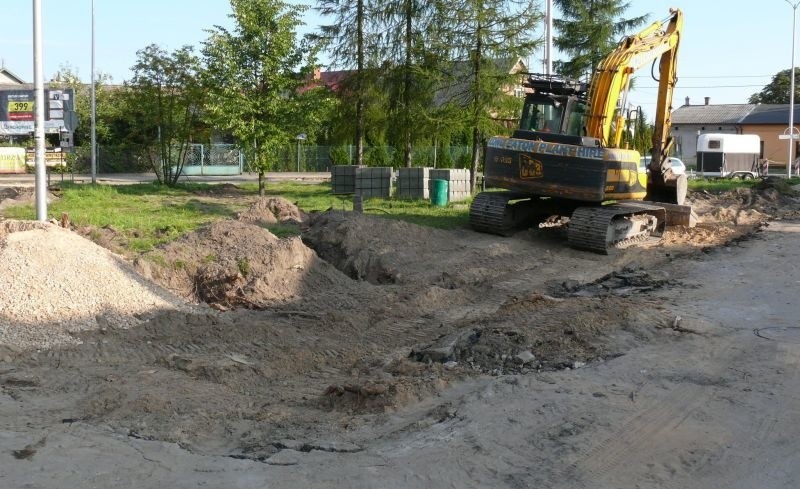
340,155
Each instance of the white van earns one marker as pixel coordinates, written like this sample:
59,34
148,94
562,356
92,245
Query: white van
728,155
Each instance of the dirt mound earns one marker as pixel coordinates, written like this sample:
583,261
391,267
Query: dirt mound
55,283
375,249
744,206
272,210
238,264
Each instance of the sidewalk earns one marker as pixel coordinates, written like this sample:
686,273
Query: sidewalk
28,180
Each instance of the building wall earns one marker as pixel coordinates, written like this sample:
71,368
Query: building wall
776,150
685,137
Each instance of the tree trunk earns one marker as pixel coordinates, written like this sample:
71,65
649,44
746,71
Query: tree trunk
360,84
407,86
262,191
476,158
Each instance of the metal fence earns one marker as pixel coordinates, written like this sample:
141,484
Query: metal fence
321,158
311,158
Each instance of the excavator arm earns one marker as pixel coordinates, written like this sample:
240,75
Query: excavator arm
612,78
659,41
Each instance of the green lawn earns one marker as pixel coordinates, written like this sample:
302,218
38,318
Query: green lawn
150,214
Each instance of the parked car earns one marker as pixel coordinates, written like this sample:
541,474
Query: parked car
678,168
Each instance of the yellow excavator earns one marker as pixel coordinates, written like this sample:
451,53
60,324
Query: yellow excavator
566,159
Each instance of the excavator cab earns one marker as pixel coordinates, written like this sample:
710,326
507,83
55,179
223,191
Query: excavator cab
554,111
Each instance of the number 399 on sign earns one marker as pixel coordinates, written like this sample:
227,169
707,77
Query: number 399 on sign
26,106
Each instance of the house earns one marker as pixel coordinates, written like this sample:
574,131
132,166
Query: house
9,78
689,121
768,121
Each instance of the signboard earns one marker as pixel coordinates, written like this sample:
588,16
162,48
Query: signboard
18,108
51,158
12,160
787,136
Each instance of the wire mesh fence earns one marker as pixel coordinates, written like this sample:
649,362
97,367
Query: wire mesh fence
302,158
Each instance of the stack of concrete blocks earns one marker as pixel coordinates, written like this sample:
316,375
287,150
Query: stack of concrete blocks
413,183
457,183
374,182
343,179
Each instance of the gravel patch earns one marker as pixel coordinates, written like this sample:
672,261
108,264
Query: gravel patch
55,283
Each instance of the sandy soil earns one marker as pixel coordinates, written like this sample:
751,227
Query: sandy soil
375,353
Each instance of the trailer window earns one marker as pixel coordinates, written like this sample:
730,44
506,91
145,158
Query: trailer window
714,144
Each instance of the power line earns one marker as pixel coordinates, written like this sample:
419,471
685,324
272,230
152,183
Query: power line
729,76
681,87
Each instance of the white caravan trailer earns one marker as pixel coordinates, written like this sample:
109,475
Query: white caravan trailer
728,155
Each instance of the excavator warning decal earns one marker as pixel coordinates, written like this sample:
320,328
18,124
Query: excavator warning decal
529,168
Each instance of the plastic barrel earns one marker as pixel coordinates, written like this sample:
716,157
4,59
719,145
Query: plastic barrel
439,193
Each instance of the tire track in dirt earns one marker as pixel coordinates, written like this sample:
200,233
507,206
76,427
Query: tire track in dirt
627,447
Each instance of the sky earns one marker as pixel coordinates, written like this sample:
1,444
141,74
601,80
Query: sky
729,49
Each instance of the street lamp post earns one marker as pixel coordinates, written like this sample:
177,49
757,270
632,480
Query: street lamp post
38,128
791,94
300,137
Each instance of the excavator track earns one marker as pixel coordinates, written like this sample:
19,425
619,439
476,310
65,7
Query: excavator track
491,212
605,228
495,213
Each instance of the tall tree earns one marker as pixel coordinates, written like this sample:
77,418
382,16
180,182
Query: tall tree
777,91
588,30
408,25
255,74
353,43
166,87
486,37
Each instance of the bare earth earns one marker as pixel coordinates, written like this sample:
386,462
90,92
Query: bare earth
373,353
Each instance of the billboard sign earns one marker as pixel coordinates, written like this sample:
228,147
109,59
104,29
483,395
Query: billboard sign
17,109
12,160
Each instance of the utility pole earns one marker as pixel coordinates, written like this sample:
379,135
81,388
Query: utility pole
94,110
38,132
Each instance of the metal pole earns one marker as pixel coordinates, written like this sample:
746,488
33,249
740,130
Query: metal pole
94,110
298,155
791,96
548,46
38,132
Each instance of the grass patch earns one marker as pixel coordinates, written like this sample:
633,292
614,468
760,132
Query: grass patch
147,214
151,214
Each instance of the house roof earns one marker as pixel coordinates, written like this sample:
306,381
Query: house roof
771,114
711,114
7,74
458,91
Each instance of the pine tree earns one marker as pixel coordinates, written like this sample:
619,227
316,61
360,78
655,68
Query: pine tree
353,43
484,37
588,30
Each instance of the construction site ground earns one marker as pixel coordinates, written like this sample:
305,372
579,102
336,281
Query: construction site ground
373,353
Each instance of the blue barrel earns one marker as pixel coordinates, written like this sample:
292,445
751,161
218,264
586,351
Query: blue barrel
439,193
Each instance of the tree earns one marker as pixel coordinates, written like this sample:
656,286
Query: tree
588,31
485,37
68,77
166,95
410,77
352,40
254,75
777,91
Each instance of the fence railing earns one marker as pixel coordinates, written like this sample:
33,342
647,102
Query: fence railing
312,158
